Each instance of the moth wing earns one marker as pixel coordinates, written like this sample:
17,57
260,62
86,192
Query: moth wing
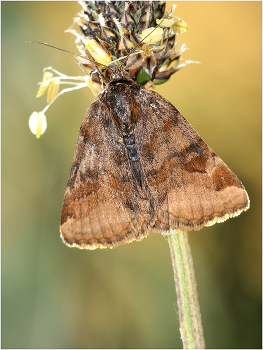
103,206
191,186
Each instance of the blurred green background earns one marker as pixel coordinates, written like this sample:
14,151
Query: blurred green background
57,297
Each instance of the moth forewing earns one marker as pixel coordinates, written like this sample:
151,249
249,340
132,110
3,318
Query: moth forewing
161,176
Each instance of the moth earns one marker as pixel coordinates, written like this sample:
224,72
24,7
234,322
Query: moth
140,167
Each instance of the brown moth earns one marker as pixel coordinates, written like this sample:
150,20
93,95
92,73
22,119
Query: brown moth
139,166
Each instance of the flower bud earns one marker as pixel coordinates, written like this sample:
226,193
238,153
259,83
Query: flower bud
98,52
169,65
37,123
92,85
124,44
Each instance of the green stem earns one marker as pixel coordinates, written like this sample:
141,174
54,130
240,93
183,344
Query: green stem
191,327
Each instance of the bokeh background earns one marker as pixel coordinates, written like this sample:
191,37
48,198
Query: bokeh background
57,297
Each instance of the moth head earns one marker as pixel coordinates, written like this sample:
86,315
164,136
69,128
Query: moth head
118,73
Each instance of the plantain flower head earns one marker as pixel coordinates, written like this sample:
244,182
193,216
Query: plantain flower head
139,35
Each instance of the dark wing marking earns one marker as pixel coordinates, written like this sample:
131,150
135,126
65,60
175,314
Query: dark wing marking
103,204
191,186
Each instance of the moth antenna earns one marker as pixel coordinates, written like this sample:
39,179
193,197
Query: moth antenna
73,53
139,43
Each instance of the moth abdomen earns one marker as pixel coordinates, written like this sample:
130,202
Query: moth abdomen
129,142
130,145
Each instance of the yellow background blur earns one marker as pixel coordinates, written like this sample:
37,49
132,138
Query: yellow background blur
57,297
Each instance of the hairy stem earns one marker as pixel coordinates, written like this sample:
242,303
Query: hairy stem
191,327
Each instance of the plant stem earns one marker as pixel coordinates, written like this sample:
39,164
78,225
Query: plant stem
191,327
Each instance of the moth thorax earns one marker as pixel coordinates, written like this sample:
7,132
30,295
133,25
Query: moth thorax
122,105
